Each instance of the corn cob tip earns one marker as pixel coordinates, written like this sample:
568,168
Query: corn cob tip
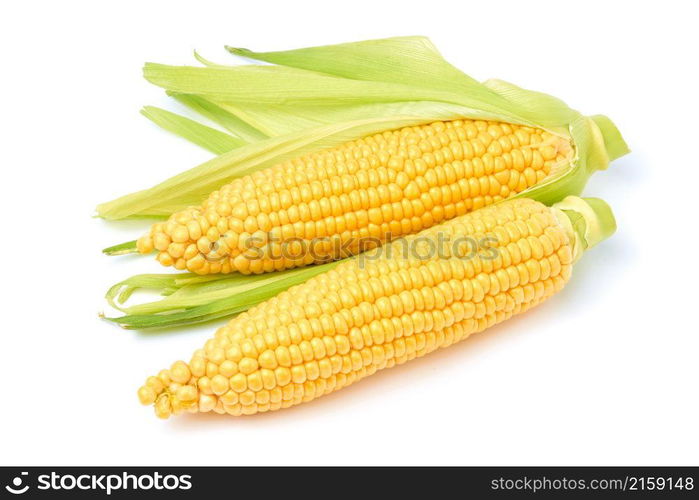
144,244
172,392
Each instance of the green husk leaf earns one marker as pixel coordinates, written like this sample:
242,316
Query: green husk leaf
205,61
122,291
220,116
536,107
323,96
278,120
614,143
592,219
410,60
121,249
190,299
208,138
274,85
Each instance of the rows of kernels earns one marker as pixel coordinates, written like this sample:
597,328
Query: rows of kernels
394,183
350,322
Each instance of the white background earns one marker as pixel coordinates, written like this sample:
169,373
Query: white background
604,373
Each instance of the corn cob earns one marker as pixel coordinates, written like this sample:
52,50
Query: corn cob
338,202
384,308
